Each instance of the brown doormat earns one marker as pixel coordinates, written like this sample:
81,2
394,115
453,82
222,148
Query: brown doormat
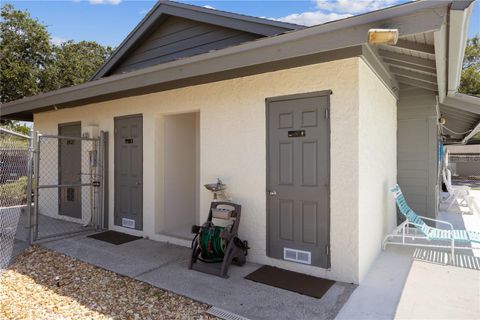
114,237
292,281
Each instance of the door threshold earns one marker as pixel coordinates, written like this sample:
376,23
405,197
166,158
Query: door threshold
177,236
162,237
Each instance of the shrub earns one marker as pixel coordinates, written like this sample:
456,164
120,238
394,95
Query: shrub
13,193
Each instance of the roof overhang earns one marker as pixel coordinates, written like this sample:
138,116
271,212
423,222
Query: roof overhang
462,116
461,111
329,41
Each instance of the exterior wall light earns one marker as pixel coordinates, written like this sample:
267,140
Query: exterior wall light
383,36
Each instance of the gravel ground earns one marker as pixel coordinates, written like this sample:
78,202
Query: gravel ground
43,284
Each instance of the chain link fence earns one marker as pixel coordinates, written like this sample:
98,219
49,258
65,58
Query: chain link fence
50,186
67,188
15,191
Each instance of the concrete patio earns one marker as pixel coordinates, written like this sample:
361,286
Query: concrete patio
435,291
47,226
413,283
403,283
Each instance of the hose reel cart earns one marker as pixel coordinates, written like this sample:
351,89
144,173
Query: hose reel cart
215,247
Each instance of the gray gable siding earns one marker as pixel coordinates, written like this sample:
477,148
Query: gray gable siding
178,38
165,9
417,153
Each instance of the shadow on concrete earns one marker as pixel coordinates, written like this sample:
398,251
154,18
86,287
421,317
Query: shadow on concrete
49,227
442,257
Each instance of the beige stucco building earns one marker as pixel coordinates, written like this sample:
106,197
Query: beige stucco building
207,115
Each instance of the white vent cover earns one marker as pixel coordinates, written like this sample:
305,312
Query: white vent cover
297,255
129,223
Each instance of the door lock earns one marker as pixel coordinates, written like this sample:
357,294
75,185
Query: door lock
139,183
272,193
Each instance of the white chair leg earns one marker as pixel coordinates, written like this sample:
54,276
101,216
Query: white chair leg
450,205
452,254
384,242
469,200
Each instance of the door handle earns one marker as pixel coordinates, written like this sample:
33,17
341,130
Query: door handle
139,183
272,193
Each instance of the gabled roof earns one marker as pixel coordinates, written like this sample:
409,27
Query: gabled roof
164,9
329,41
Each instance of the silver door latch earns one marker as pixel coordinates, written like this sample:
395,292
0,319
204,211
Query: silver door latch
272,193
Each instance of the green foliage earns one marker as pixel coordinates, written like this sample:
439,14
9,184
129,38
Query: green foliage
25,53
470,79
13,192
75,63
30,64
16,126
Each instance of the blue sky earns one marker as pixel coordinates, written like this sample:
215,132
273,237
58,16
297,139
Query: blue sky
109,21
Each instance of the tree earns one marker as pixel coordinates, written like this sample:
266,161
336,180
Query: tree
75,63
18,126
30,64
25,53
470,79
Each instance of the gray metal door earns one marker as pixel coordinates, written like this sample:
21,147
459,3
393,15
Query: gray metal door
129,172
298,178
69,170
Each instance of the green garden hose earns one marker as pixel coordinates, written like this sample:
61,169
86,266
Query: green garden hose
211,243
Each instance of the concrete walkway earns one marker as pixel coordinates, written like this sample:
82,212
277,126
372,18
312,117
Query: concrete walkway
378,295
435,291
165,266
407,282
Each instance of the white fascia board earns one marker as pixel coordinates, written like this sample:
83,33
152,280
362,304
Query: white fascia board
457,40
440,39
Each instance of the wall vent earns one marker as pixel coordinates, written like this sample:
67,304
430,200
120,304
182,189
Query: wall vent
297,255
129,223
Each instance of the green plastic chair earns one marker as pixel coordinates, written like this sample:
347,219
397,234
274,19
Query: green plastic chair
425,231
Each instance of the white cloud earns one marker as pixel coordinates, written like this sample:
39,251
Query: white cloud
208,6
57,40
312,18
329,10
354,6
115,2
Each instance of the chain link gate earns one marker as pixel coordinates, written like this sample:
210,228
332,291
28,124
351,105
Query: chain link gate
15,192
68,185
